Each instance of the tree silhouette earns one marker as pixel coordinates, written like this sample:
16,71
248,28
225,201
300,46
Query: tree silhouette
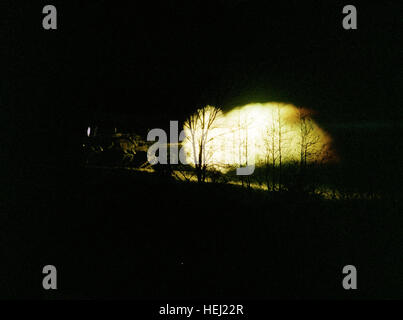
199,126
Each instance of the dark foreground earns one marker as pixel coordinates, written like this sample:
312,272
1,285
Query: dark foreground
114,235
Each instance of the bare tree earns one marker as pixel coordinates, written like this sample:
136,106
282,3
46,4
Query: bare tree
271,153
242,144
199,126
275,142
311,149
280,141
309,139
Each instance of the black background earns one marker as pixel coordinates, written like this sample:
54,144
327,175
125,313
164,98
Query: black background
148,63
159,61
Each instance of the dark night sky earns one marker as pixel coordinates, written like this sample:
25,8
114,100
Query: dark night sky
127,235
158,62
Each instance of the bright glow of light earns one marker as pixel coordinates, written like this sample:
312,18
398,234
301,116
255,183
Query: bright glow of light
88,131
256,132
